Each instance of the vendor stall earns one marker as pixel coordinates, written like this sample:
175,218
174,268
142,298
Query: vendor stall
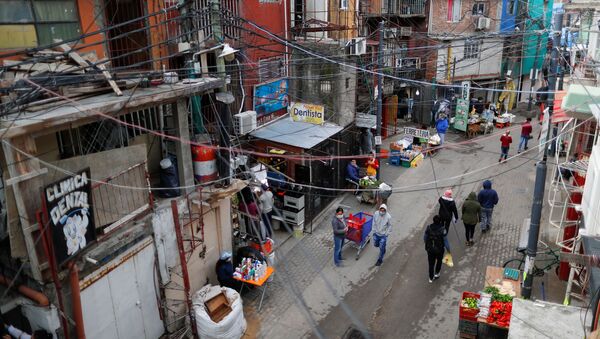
410,150
489,310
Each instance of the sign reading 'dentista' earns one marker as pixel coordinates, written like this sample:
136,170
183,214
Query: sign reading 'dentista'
69,204
312,114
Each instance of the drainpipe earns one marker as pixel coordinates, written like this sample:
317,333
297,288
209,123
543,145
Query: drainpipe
40,298
76,300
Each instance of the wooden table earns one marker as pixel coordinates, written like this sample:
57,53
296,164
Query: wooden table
495,276
262,282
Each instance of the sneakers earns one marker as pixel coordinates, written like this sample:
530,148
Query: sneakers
430,281
378,263
472,242
468,243
436,276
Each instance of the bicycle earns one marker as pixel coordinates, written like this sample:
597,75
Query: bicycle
549,258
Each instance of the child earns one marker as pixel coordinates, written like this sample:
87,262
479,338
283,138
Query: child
505,141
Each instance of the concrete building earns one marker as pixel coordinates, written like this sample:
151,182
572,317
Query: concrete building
92,245
471,51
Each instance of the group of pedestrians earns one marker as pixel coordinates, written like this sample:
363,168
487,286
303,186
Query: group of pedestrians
477,208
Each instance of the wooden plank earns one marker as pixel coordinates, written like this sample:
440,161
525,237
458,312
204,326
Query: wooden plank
26,176
579,259
111,82
73,55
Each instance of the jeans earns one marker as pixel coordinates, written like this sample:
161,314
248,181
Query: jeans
447,227
338,243
442,137
486,218
523,142
435,263
504,152
266,219
469,231
380,241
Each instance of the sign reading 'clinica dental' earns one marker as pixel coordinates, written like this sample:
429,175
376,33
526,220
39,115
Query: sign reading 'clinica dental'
69,204
312,114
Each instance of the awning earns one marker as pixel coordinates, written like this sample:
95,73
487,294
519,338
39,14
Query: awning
540,319
298,134
578,100
559,115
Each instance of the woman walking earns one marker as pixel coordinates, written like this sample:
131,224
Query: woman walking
471,213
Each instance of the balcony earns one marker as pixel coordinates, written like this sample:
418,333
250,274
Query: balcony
400,8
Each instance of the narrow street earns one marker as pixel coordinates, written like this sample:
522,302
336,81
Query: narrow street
396,299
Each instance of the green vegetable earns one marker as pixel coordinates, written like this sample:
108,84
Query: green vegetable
470,302
496,295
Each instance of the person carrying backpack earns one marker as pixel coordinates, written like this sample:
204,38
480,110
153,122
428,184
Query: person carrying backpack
434,238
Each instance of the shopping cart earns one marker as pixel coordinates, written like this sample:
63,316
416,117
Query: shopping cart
359,230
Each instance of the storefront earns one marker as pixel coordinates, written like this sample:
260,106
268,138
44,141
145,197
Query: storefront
300,184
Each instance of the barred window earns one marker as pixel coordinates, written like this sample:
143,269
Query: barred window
472,49
271,68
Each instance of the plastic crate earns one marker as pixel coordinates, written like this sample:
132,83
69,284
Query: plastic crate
468,329
394,160
405,163
466,313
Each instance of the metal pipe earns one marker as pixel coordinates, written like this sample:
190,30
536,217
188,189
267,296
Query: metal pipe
40,298
76,300
379,96
184,269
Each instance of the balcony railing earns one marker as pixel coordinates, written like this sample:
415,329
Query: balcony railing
403,7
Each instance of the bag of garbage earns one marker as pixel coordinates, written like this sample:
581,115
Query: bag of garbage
231,326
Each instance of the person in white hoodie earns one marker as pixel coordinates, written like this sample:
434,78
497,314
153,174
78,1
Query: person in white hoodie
381,230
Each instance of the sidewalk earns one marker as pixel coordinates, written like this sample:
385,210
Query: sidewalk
307,288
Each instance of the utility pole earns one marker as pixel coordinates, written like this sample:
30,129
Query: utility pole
541,167
224,100
379,95
534,71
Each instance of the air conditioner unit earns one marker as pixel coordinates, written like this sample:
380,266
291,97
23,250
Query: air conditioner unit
406,31
244,123
483,23
358,46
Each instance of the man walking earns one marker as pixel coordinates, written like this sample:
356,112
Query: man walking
505,141
526,130
381,230
441,126
339,234
488,198
434,238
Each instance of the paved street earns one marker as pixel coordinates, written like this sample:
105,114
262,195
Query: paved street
396,299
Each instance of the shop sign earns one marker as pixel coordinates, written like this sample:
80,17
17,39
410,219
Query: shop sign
462,115
465,88
365,120
270,97
69,204
415,132
313,114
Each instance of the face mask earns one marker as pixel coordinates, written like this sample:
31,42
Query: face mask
382,212
339,216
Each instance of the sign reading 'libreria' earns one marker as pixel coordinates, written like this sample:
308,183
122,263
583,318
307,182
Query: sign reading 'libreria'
312,114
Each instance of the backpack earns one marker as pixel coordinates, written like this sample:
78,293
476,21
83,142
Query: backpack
435,240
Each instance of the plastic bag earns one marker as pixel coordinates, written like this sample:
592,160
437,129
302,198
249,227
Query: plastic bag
232,326
448,259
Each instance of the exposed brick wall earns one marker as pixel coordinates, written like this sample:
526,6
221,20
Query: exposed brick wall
439,16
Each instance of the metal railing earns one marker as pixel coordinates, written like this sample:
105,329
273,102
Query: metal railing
403,7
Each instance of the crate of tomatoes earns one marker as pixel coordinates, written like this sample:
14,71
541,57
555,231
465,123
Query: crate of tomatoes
469,306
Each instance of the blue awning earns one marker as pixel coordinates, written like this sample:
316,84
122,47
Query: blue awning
298,134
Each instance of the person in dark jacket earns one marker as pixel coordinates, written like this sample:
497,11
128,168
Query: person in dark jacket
339,234
488,198
224,269
352,171
448,211
435,238
471,212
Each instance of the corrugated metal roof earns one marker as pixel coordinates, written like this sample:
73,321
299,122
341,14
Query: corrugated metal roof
298,134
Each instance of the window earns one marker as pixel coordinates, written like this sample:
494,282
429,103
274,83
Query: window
271,68
511,7
325,86
29,23
472,49
479,8
343,4
454,10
